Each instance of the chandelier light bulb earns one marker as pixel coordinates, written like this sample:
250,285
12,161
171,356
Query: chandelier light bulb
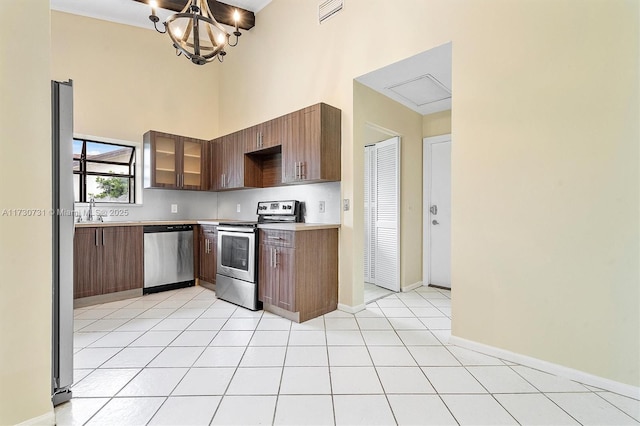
177,32
154,6
236,18
221,39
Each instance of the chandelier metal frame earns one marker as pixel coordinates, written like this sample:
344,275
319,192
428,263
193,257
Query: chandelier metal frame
189,42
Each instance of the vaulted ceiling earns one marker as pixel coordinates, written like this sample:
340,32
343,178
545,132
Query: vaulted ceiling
136,13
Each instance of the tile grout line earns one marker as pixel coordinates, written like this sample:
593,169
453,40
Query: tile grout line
543,393
427,377
396,333
284,362
189,368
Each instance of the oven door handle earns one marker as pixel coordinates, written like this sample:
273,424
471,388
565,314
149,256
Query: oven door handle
246,230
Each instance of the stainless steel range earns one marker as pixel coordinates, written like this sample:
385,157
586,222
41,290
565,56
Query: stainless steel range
237,275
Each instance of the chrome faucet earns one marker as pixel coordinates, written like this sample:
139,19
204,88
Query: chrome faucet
92,204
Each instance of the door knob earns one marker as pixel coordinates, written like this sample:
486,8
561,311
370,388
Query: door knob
435,222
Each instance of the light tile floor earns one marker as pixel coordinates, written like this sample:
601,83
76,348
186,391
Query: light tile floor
373,292
186,358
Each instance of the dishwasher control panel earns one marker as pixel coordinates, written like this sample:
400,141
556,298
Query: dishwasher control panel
166,228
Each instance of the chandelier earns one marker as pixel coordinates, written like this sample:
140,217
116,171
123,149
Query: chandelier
196,33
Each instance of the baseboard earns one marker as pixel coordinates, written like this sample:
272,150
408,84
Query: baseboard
48,419
411,287
549,367
351,309
106,298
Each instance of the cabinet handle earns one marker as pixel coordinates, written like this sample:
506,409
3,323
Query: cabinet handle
178,180
257,139
206,246
303,170
102,236
222,179
271,256
261,141
97,237
275,258
297,168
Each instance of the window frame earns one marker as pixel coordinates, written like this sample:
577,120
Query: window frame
83,171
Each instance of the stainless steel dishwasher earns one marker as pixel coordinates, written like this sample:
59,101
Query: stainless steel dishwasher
168,257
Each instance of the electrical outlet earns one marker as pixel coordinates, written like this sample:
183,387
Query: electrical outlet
321,207
345,204
174,208
237,208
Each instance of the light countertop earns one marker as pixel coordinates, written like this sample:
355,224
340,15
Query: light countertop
279,226
298,226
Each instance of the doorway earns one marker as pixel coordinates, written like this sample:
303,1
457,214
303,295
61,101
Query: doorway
382,214
437,211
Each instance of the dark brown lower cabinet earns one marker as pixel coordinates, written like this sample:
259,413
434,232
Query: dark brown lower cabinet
107,260
298,272
208,240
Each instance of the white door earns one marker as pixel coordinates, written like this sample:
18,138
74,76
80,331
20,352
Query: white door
382,214
437,174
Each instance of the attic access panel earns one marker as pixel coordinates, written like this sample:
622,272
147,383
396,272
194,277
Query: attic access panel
222,12
422,90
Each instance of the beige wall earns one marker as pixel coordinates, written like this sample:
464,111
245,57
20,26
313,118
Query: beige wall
438,123
545,161
375,118
545,242
128,80
25,183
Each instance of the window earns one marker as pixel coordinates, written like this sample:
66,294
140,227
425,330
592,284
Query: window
105,171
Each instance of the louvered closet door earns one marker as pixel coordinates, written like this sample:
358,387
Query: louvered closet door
369,213
382,214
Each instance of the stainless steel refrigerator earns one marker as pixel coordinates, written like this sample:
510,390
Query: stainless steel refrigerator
63,228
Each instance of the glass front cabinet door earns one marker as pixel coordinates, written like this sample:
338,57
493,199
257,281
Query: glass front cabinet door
172,161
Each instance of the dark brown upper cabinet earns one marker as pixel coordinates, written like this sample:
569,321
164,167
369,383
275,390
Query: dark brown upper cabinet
173,162
228,163
301,147
311,145
264,136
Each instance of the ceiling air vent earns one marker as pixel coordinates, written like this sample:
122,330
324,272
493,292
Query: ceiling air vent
422,90
328,8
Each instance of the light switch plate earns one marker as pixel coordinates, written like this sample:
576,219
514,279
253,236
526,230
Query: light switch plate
345,205
321,207
237,208
174,208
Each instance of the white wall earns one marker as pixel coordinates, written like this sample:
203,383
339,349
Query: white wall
25,183
311,195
